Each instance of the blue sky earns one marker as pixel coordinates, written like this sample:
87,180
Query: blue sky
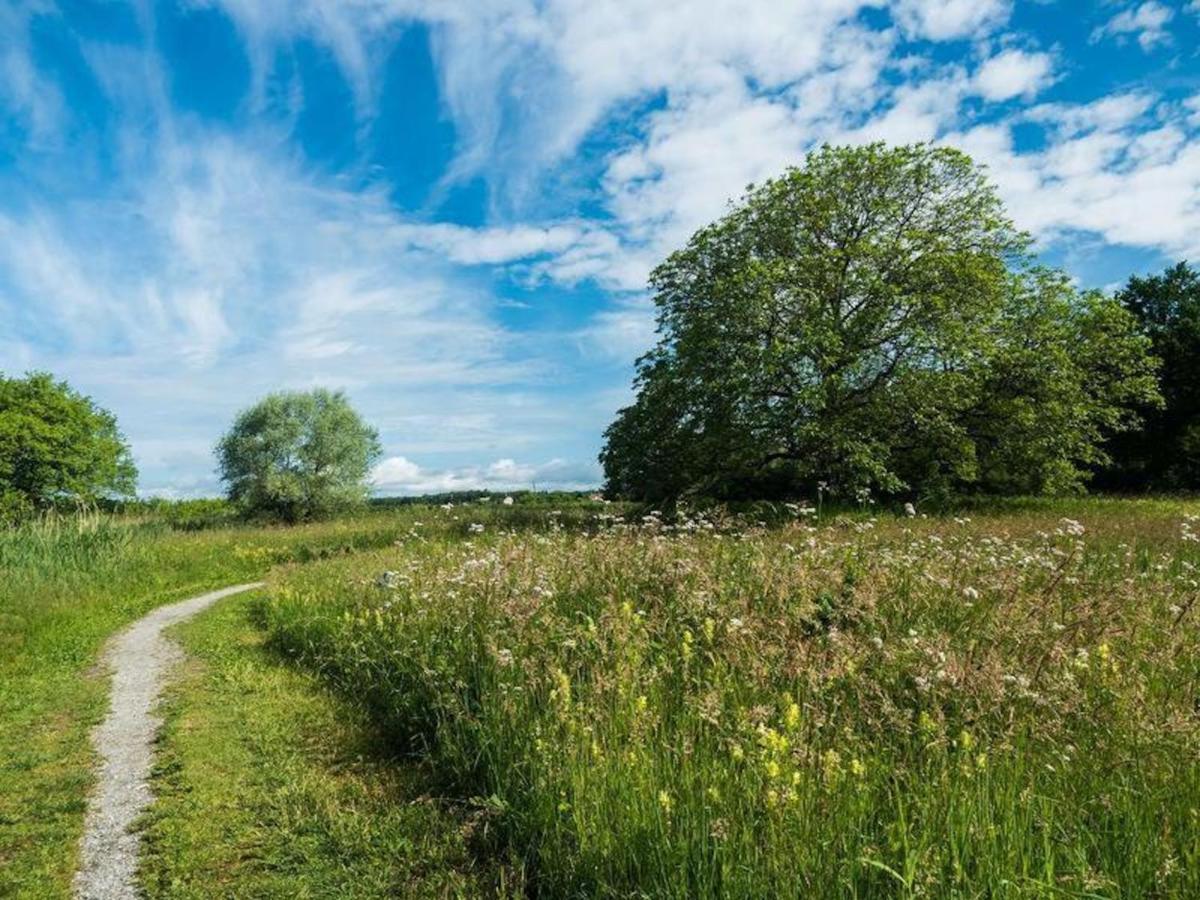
449,207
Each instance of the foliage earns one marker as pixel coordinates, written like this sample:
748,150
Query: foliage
1165,453
57,446
869,708
869,321
298,456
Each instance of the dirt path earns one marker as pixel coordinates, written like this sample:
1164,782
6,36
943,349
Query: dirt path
139,659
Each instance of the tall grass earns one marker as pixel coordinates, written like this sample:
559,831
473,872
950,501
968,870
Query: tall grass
1001,707
66,584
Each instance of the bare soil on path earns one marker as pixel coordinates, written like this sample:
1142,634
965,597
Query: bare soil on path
140,658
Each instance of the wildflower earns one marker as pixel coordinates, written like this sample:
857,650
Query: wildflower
966,741
772,798
737,753
710,630
665,802
713,794
857,768
504,657
686,648
981,761
641,703
910,510
772,741
507,501
562,689
831,765
926,724
791,717
475,528
877,642
970,593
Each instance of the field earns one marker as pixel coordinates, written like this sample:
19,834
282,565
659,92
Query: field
483,700
1001,705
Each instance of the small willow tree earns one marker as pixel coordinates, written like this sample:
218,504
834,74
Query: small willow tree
298,456
871,320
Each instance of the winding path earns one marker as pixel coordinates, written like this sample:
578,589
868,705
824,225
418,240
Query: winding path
139,659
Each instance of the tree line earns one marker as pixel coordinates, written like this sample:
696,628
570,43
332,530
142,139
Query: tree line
870,321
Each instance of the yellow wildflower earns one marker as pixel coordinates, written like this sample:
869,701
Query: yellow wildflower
665,801
791,717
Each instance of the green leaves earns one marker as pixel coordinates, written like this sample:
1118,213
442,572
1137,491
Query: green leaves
1164,453
298,455
56,446
870,320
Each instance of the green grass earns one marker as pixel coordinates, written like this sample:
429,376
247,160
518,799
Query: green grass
270,786
989,707
563,705
65,586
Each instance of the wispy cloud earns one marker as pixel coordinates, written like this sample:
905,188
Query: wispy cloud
1146,22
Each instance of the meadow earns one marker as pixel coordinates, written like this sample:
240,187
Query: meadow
564,699
998,704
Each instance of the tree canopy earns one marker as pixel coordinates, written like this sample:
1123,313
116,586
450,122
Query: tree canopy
871,320
298,455
1165,452
57,446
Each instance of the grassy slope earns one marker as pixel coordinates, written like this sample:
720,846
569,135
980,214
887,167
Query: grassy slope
269,786
64,589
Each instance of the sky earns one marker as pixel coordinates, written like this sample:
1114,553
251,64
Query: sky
449,208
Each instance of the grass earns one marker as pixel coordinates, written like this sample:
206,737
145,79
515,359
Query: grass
268,785
1000,706
65,586
488,700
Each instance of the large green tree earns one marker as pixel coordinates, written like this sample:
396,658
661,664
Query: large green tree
57,446
298,456
871,320
1165,453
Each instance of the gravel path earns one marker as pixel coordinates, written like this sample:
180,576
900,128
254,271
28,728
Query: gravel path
139,659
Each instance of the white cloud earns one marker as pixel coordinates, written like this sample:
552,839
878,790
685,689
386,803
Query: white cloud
1192,104
1014,73
398,475
1147,22
942,20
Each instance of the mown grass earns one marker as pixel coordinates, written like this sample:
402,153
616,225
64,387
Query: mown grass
268,785
66,584
1002,706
